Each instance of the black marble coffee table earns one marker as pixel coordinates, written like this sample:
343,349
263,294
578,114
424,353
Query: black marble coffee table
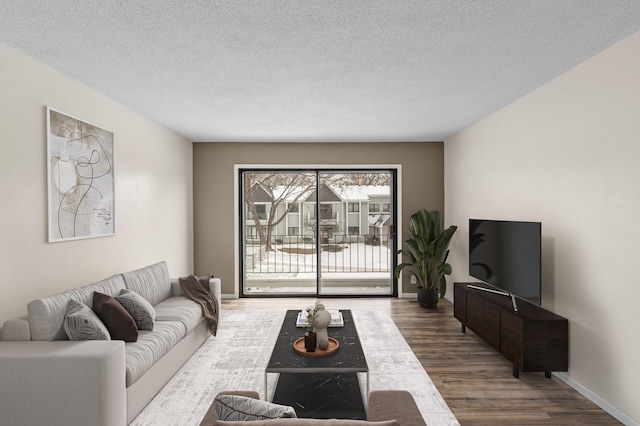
319,386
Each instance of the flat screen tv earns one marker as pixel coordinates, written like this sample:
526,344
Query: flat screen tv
507,255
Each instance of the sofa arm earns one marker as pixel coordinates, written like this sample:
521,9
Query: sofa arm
394,404
16,329
63,383
215,286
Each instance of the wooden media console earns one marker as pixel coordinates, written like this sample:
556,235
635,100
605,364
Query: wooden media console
532,339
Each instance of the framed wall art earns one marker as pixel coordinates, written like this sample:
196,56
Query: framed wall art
80,179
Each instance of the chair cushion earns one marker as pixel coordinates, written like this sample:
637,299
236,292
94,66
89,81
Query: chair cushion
308,422
234,407
396,404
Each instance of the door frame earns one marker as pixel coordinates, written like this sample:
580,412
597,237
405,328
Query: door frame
237,206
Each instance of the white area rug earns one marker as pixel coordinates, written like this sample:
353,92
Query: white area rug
236,358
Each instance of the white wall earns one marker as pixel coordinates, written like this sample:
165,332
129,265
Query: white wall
568,155
154,189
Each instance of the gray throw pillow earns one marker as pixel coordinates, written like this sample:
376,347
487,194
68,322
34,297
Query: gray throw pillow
140,310
242,408
81,323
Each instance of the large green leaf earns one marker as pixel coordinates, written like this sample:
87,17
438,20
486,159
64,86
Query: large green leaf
427,250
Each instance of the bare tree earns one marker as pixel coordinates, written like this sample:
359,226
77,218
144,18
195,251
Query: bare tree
290,189
287,189
364,179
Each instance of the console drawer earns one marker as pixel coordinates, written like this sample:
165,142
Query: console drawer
483,318
511,326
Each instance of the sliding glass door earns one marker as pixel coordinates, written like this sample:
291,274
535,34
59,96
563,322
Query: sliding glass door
317,232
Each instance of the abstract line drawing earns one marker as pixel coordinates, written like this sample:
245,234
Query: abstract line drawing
80,179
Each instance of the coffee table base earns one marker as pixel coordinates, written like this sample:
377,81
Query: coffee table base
321,395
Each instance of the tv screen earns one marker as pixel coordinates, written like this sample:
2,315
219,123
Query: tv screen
507,255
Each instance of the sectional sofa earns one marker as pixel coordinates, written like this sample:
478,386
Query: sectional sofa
47,379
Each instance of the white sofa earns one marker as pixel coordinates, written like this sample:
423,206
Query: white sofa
47,379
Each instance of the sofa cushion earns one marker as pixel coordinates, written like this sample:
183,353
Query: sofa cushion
181,309
118,321
81,323
150,347
140,310
46,315
234,407
151,282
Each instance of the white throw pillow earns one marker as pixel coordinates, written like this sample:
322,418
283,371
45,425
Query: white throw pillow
242,408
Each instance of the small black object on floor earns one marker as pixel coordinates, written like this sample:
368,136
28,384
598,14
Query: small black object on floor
322,395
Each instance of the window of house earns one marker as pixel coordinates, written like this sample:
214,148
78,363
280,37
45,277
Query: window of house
262,211
374,208
293,230
386,207
353,207
326,212
354,230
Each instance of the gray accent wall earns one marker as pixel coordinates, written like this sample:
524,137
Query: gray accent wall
213,167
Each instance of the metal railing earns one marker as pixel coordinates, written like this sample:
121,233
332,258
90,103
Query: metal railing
339,253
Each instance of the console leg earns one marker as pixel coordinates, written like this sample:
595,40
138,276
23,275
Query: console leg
516,372
464,328
547,374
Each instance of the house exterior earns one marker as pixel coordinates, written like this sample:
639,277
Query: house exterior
353,211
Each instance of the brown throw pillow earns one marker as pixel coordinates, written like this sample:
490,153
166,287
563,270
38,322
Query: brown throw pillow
115,317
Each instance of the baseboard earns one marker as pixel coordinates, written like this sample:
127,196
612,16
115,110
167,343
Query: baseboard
582,390
403,296
415,295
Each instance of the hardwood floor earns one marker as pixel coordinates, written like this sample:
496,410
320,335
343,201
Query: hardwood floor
473,378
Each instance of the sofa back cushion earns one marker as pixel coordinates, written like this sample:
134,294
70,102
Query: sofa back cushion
46,315
151,282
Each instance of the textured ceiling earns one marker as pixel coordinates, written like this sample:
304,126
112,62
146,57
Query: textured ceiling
352,70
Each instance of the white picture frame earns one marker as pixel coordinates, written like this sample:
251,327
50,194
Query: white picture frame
80,179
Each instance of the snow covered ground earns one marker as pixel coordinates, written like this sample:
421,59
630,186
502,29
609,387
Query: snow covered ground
347,268
354,258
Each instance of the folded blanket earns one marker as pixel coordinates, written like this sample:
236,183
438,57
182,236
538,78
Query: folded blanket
197,289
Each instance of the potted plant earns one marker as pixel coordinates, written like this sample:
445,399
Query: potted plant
427,251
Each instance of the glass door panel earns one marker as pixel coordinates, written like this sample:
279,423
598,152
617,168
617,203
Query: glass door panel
279,245
293,221
355,241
